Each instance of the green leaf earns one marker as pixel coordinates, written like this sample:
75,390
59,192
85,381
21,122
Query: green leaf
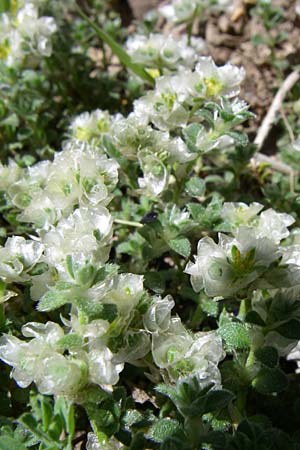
52,300
31,424
196,210
155,282
181,246
38,269
239,137
93,311
195,187
168,390
217,399
268,356
70,422
270,381
85,275
46,413
235,335
163,429
290,329
254,317
118,50
70,267
4,5
8,443
191,133
69,341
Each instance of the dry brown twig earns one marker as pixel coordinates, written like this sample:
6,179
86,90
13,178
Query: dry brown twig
267,123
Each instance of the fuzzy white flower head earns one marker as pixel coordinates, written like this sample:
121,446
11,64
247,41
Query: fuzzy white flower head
17,257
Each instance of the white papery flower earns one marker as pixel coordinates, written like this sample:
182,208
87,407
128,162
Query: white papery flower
181,10
41,359
220,81
179,151
274,225
10,174
158,315
163,109
89,126
240,213
38,360
162,51
291,255
184,355
17,257
26,34
125,292
105,444
48,191
225,268
294,355
86,234
269,223
102,369
155,175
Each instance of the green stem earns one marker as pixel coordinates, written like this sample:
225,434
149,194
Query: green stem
117,49
2,316
189,33
245,307
101,437
241,401
129,223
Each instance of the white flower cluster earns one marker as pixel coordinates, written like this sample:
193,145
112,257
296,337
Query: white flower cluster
178,353
110,444
185,11
65,263
157,51
165,126
66,201
48,191
23,33
63,361
252,257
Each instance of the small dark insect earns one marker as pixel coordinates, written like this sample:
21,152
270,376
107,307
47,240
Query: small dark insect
149,217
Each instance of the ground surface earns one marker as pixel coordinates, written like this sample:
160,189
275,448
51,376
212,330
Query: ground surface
240,36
